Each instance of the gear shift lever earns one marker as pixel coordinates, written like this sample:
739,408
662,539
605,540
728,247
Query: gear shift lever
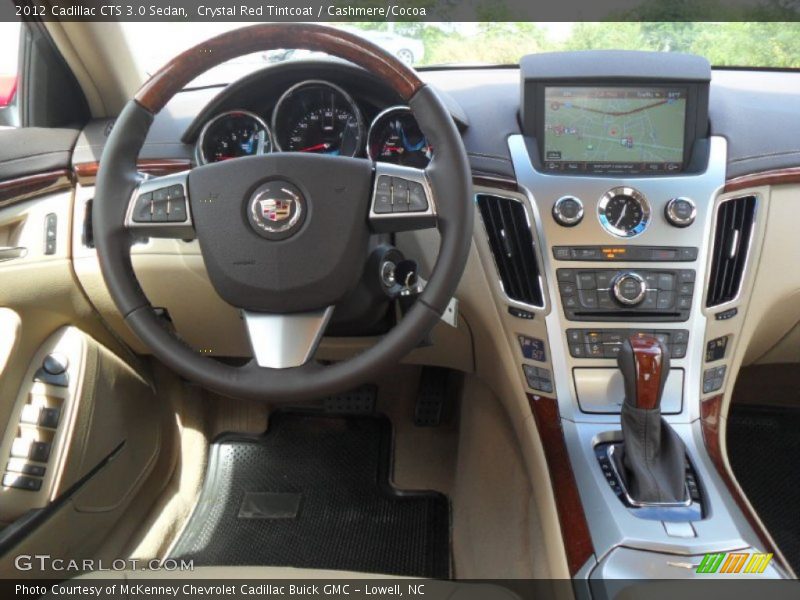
652,460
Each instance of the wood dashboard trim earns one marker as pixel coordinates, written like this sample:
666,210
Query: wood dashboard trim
574,526
29,186
775,177
86,173
711,420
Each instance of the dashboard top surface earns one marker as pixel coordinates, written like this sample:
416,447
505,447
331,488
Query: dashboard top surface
756,111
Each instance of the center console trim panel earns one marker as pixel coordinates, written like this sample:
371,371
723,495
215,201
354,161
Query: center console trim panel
611,523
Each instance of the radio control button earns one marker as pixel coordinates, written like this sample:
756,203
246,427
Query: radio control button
588,298
568,211
666,281
680,212
587,281
665,300
629,289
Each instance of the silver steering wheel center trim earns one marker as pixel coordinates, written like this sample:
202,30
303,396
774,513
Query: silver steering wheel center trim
285,341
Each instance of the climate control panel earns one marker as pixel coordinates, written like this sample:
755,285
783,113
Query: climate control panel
606,343
638,294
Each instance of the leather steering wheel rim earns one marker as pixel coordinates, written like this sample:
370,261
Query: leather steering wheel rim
448,175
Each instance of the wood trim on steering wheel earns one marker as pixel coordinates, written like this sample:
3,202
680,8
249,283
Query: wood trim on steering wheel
177,73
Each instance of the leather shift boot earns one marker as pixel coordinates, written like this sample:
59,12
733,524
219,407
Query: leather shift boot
652,458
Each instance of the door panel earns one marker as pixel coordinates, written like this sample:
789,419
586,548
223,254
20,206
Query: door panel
105,405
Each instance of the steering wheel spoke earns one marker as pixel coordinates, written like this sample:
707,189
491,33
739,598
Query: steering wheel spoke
402,199
159,207
283,341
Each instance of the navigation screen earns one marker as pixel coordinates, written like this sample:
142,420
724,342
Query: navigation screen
614,129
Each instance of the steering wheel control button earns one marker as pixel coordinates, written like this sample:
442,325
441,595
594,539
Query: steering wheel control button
629,289
276,209
400,199
568,211
383,195
176,211
143,211
417,200
680,212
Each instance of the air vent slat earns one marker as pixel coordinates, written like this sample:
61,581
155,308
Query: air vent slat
512,246
734,229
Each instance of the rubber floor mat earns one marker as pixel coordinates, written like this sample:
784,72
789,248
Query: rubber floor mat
764,450
314,492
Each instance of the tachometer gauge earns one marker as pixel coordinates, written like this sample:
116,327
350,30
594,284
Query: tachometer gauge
395,137
319,117
231,135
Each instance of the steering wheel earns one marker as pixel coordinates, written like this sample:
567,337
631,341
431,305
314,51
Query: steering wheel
284,236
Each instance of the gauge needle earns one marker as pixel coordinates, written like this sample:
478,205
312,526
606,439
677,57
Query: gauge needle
621,215
316,147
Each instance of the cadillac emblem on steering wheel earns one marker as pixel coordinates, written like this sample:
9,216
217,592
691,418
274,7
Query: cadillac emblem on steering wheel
276,209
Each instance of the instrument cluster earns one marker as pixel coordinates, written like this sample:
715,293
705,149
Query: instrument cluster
320,117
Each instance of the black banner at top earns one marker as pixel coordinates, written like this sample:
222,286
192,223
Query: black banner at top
400,10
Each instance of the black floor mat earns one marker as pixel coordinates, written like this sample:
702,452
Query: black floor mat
314,492
764,449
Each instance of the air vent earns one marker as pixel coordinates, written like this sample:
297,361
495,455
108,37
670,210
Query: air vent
512,246
734,229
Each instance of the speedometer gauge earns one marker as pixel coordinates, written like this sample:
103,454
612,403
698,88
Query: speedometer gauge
231,135
318,117
395,137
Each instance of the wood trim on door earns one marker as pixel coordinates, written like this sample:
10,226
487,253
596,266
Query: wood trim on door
29,186
574,526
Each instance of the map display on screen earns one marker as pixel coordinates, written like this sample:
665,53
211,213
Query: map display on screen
616,129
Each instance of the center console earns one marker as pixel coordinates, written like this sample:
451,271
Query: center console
620,185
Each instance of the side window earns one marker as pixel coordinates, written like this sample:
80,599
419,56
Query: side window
9,72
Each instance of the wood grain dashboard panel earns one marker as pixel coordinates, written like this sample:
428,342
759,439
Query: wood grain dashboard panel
574,526
775,177
86,173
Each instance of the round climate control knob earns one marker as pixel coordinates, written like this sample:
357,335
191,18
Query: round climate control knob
568,211
680,212
629,288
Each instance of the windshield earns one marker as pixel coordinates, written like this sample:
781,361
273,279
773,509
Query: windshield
736,44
